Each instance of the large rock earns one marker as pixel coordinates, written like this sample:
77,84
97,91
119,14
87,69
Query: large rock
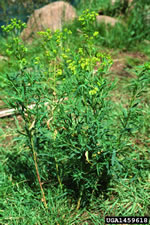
50,16
106,19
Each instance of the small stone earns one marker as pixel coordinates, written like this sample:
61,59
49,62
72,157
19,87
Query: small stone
3,58
106,19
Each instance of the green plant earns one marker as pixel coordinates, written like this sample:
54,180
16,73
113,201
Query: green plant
52,45
93,5
131,115
132,28
70,132
29,89
138,22
22,84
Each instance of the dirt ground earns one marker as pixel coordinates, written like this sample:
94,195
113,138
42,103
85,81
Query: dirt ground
126,60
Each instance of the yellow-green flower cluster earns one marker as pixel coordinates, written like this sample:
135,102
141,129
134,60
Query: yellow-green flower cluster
88,63
47,35
48,54
37,60
64,56
105,58
54,51
56,37
65,53
59,72
9,52
14,25
109,59
87,17
22,63
67,31
94,60
58,34
95,34
72,65
51,42
16,40
67,50
80,51
93,91
18,50
85,63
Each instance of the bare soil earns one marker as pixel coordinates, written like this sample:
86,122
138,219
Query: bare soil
120,65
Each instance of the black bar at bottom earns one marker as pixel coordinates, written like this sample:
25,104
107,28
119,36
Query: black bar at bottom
126,220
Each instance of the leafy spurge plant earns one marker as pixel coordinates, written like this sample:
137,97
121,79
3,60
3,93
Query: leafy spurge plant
71,129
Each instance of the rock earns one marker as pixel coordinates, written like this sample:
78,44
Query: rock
3,58
51,16
106,19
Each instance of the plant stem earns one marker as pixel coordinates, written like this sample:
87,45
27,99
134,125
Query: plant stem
37,172
58,177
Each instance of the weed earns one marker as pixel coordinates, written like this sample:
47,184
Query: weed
73,139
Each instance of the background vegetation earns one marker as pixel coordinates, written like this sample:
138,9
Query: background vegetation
82,151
